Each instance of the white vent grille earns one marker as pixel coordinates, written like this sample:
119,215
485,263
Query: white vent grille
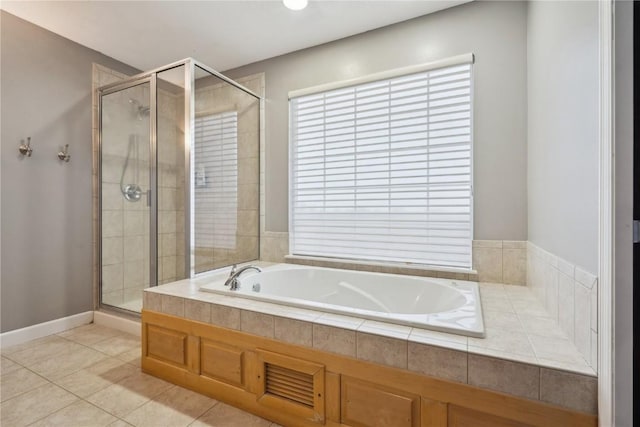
383,170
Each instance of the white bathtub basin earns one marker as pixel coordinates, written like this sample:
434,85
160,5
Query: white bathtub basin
438,304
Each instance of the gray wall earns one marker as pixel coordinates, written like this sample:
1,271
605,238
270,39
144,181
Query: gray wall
46,204
623,269
562,68
494,31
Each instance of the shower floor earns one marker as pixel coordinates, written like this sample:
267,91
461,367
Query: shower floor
132,305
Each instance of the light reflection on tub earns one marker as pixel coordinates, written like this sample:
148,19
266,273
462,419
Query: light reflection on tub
438,304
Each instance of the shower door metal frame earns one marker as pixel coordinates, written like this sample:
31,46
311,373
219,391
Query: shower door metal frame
152,195
190,65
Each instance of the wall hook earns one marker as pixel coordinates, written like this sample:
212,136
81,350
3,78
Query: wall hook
64,154
25,149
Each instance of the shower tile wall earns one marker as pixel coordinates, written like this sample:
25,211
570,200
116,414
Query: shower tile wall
171,187
212,100
125,225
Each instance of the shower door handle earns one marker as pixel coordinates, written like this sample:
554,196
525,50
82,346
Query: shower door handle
149,198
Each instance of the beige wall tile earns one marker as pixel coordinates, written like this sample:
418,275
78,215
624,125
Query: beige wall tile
134,247
573,391
582,322
112,223
134,274
248,222
513,378
167,221
274,246
514,244
197,310
488,263
248,197
152,301
168,268
438,362
248,171
173,305
334,340
566,304
384,350
487,243
585,278
112,277
227,317
594,308
112,250
257,323
168,244
294,331
514,266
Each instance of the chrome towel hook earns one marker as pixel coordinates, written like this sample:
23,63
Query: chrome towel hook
64,154
25,149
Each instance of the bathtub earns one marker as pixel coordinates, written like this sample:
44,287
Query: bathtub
439,304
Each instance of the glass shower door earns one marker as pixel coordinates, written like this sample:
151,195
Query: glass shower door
125,199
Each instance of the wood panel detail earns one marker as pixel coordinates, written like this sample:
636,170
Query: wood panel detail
365,404
433,413
231,366
464,417
220,361
167,345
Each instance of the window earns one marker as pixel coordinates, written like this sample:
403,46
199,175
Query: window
381,169
216,186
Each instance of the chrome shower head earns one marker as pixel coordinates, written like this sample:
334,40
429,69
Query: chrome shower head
140,111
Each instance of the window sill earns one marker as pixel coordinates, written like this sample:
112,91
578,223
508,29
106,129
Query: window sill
386,267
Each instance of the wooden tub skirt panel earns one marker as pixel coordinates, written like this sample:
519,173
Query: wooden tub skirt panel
299,386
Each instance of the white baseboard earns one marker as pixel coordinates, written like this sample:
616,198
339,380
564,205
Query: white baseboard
111,321
40,330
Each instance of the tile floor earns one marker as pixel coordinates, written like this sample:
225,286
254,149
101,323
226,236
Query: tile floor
90,376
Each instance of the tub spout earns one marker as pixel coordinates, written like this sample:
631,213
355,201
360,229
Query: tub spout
233,282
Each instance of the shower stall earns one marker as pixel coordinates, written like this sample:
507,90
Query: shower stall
178,179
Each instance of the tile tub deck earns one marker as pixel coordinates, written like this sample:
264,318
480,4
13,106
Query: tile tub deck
524,354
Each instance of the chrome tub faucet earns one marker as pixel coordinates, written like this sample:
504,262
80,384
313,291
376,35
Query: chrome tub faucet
232,281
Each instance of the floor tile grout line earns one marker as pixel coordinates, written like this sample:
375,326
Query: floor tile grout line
33,388
56,411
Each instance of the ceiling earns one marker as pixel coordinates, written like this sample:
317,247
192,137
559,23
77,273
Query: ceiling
221,34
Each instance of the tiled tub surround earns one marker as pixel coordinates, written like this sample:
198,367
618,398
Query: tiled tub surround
524,354
496,261
570,296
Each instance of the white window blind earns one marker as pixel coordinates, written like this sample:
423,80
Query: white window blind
383,170
216,180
